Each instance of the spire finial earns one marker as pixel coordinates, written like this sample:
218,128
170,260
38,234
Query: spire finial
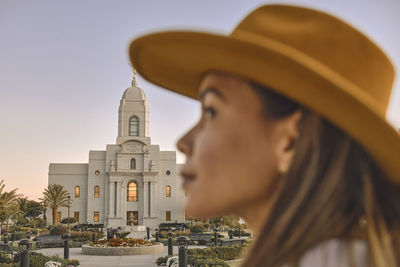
134,82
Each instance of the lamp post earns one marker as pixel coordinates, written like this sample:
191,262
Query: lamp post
157,235
66,245
25,245
183,242
216,236
69,203
170,249
148,233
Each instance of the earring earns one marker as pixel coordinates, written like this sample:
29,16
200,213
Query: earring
284,168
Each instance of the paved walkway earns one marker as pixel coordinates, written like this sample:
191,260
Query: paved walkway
103,261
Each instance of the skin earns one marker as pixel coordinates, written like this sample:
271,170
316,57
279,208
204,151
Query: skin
234,154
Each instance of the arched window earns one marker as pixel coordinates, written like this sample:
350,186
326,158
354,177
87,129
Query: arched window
132,194
96,191
134,126
168,191
133,163
77,191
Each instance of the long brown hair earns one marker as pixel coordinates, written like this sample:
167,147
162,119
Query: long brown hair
333,189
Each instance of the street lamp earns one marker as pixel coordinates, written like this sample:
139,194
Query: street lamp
69,203
24,246
183,242
216,236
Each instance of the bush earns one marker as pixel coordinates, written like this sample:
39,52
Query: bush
179,233
58,230
90,225
85,235
201,261
122,235
170,226
224,253
197,228
38,260
162,260
19,235
4,258
163,234
68,220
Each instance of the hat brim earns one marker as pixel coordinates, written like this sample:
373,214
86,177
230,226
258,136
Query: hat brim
178,60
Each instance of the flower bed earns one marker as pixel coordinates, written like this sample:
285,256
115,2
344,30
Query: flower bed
122,246
122,242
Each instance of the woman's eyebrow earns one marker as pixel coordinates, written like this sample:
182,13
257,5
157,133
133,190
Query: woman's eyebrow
211,90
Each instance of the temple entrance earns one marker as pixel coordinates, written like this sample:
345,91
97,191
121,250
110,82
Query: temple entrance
132,218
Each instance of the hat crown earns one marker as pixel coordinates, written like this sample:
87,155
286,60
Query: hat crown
328,40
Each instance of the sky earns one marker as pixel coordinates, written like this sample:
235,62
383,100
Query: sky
64,66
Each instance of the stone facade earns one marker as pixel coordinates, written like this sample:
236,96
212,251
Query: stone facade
130,183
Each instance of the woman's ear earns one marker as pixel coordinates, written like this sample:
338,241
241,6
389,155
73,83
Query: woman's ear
289,135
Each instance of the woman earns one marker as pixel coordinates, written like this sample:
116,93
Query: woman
292,136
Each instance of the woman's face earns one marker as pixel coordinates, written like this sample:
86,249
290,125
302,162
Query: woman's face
231,152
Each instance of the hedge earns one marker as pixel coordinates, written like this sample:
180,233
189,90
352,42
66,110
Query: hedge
36,260
207,256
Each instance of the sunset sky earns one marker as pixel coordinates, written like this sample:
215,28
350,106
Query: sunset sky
64,67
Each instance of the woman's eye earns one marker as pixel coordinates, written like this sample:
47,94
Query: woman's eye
209,112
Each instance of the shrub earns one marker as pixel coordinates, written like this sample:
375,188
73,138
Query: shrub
38,259
90,225
179,233
162,260
4,258
85,235
19,235
201,261
68,220
122,235
58,230
170,226
197,228
224,253
163,234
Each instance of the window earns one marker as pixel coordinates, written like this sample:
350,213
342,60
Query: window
134,126
77,191
97,173
133,164
168,215
168,191
96,192
132,194
96,216
76,216
58,217
168,173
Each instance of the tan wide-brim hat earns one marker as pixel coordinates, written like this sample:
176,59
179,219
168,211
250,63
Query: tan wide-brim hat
306,55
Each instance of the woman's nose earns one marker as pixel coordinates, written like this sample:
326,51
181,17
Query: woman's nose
185,143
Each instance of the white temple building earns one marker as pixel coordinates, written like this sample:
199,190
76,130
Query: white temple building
130,183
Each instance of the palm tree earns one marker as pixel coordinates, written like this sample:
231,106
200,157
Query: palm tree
7,198
7,203
55,196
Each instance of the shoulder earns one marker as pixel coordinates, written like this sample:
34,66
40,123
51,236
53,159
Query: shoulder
336,252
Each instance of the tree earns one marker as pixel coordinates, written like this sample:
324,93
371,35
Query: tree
8,201
29,211
228,220
55,196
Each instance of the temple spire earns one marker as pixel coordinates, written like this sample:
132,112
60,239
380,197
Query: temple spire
134,82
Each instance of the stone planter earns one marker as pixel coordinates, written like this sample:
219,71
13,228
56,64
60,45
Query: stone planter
120,251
